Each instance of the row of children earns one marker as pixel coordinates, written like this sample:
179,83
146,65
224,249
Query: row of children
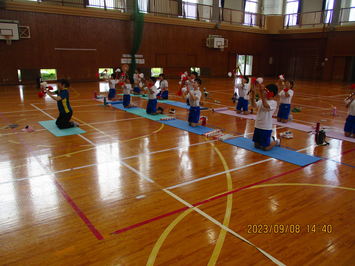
243,89
139,82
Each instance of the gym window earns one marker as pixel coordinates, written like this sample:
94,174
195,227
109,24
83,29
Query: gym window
156,71
105,72
246,64
250,10
291,12
48,74
196,69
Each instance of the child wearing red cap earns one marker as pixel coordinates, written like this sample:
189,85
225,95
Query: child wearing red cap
263,122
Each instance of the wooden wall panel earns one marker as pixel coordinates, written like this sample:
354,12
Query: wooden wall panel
174,47
48,31
339,65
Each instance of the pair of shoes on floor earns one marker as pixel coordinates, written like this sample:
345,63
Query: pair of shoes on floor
172,111
286,135
76,124
160,110
28,129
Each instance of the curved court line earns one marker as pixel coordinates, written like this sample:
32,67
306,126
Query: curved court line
302,184
164,235
223,232
227,216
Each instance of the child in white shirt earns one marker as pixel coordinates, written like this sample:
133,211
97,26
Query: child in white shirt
194,100
243,92
286,95
263,122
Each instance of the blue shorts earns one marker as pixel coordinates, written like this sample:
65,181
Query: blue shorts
194,114
152,106
350,124
164,95
126,100
242,104
137,90
284,111
111,94
262,137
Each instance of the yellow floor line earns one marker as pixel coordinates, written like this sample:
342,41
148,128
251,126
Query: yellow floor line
222,234
164,235
221,237
302,184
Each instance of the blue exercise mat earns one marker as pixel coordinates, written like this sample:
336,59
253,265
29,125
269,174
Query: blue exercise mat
52,127
184,125
140,112
279,153
120,106
179,104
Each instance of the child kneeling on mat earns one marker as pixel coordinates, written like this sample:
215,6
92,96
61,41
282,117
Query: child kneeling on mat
243,92
349,128
286,95
112,84
263,122
127,87
194,97
64,108
152,98
164,90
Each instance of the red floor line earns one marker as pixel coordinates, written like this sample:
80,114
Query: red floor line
61,189
79,212
216,197
150,220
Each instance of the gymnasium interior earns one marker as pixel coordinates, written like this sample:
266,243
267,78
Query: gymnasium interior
124,187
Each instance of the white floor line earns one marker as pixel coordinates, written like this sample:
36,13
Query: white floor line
217,174
224,172
111,161
210,218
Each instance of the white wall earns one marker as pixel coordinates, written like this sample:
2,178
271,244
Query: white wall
313,5
272,7
233,4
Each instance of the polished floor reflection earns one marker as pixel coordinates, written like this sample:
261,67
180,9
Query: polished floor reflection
123,192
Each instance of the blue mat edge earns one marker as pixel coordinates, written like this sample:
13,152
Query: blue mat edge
315,158
62,130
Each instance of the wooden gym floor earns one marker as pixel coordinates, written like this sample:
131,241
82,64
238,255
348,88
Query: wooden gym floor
120,193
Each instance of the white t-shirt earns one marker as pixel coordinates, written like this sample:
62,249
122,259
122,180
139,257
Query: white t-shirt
113,83
152,95
351,107
127,89
190,84
243,90
197,94
236,82
136,78
164,84
263,118
283,98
